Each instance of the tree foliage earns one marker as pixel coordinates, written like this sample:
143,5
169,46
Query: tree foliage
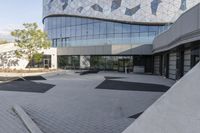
30,42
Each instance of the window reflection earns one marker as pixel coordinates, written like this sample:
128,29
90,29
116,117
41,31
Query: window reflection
77,31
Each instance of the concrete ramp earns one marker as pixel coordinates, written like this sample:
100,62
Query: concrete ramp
177,111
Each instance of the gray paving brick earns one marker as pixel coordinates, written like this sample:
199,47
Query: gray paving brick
75,106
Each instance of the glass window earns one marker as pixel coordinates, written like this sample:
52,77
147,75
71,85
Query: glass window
54,33
78,21
126,35
89,37
110,27
67,32
84,30
67,21
118,35
63,24
136,37
103,36
135,28
58,22
73,31
110,35
90,21
84,20
195,56
54,23
90,29
152,34
126,28
153,28
96,36
144,37
103,28
78,30
118,28
96,28
143,28
73,21
63,33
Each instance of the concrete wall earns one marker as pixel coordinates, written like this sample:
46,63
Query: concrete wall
177,111
185,29
107,50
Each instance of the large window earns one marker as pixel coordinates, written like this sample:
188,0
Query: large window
75,31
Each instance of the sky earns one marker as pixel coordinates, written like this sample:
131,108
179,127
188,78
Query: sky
13,13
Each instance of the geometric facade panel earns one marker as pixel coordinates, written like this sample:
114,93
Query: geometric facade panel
132,11
154,6
97,7
115,4
146,11
183,5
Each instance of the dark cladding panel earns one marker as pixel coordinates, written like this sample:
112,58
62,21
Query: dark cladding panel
97,7
183,6
154,6
116,4
132,11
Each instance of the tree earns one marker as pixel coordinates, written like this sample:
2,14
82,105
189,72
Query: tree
38,58
30,41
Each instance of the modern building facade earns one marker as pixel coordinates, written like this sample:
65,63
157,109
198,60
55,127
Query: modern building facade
109,34
177,50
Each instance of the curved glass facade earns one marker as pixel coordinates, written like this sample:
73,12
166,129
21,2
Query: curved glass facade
77,31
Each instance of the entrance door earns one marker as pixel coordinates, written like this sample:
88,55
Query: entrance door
124,64
46,63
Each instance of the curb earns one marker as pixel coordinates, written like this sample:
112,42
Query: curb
28,122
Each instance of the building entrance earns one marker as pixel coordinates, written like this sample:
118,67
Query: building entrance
125,63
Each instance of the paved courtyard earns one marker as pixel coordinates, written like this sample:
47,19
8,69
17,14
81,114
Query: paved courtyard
75,105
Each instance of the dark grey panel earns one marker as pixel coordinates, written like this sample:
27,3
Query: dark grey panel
80,9
97,7
132,11
183,5
154,6
116,4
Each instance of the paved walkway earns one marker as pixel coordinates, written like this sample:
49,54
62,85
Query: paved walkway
75,106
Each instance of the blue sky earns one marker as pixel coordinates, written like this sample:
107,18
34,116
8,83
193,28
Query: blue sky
13,13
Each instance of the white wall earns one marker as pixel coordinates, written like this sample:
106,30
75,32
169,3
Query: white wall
53,53
9,60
